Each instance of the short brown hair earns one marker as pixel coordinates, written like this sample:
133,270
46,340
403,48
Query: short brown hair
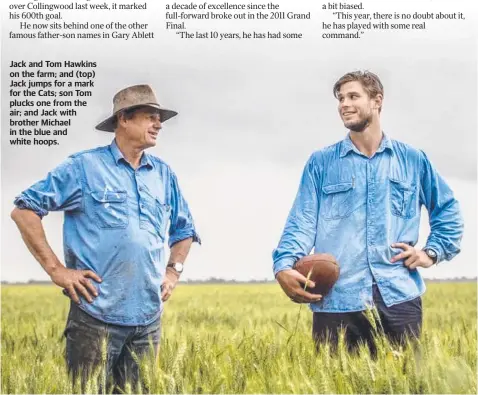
370,82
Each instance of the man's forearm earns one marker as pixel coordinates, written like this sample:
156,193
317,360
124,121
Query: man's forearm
180,250
33,235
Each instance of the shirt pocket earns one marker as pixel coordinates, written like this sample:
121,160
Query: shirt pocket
110,209
163,214
402,198
338,200
155,216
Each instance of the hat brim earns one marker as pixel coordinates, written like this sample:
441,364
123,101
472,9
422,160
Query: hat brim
108,124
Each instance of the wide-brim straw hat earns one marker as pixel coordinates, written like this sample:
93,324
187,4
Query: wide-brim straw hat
135,96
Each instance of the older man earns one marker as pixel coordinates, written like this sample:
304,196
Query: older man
360,200
118,201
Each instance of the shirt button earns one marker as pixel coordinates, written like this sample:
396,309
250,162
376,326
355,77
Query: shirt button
140,188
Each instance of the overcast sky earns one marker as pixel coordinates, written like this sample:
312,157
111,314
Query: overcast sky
250,114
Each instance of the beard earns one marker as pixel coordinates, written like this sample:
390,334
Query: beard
360,125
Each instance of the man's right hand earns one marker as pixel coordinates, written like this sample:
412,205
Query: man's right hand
76,280
292,283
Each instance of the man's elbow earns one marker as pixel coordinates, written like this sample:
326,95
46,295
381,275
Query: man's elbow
16,214
459,220
19,215
185,241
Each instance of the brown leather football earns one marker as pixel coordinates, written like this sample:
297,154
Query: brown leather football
325,271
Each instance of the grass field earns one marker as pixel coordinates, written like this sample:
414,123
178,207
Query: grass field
240,339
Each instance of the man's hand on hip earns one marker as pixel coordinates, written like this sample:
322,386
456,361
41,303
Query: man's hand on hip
412,258
292,283
74,281
170,280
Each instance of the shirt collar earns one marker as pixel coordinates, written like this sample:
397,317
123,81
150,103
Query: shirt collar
348,145
386,143
118,156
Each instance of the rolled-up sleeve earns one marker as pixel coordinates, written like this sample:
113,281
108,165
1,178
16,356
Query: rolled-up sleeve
181,222
300,230
61,189
446,221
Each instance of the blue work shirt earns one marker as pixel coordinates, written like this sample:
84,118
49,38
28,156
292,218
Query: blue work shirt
116,219
354,207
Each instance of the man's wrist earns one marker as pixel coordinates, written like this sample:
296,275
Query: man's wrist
432,254
53,268
176,267
283,264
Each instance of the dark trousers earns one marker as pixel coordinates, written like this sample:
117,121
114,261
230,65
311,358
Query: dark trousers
397,323
92,344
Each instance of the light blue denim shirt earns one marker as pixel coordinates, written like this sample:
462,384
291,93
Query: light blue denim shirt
116,219
355,207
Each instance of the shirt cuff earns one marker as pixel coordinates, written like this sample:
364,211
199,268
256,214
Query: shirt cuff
438,250
23,202
184,234
283,264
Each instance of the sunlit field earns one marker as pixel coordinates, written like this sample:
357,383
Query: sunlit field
247,339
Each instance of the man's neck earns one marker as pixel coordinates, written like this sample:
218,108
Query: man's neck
368,141
131,154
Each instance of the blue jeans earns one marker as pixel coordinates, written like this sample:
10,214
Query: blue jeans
85,337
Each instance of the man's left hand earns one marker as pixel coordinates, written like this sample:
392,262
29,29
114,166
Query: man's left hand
412,257
170,280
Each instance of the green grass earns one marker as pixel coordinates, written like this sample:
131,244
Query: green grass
237,339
